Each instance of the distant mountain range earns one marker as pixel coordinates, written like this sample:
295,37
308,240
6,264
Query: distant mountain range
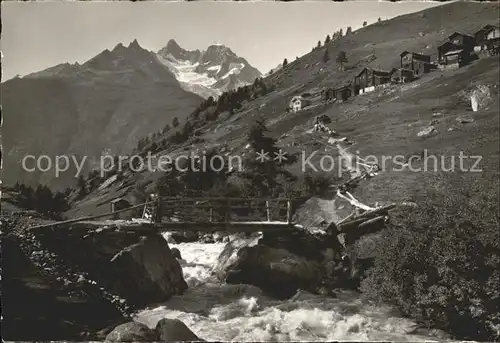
108,102
210,72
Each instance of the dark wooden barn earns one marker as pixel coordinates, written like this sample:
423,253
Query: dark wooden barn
488,39
417,63
401,75
343,93
368,79
457,50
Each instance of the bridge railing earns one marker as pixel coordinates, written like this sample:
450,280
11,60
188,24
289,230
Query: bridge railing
223,210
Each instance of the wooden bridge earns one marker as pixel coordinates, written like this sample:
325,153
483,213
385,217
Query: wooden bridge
215,213
204,214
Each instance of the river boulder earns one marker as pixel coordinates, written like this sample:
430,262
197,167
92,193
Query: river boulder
177,237
148,271
137,266
229,255
173,330
276,271
132,332
176,253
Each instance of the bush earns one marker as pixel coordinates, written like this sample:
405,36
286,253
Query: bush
316,184
440,262
175,122
42,200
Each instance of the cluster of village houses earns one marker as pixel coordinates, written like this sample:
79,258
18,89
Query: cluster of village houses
458,50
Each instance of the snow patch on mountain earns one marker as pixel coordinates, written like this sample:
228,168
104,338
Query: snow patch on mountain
207,73
184,71
189,79
235,69
217,68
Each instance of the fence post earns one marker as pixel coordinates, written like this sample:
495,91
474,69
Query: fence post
268,211
226,211
159,210
289,211
114,216
144,210
211,218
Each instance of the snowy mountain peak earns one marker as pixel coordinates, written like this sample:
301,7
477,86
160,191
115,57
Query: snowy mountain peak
174,52
210,72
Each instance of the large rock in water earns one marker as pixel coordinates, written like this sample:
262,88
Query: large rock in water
149,271
138,268
278,272
282,263
166,330
173,330
229,255
177,237
132,332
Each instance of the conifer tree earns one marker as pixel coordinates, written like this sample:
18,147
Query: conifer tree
262,167
326,56
341,59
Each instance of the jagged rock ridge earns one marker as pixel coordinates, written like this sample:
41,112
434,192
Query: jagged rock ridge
106,103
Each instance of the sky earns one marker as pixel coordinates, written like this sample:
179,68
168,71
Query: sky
38,35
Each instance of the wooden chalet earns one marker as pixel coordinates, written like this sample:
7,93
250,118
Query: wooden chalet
368,79
417,63
465,41
328,94
450,54
401,75
343,93
488,39
363,81
381,77
457,50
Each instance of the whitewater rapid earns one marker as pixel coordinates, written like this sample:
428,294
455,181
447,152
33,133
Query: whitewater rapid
216,312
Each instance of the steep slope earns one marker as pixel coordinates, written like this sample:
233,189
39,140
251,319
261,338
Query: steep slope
384,122
106,103
375,46
274,70
210,72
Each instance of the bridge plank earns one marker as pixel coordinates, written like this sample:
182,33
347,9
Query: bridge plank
197,214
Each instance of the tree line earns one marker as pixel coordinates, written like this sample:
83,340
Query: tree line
207,111
42,200
269,178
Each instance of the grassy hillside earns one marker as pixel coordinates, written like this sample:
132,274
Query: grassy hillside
384,122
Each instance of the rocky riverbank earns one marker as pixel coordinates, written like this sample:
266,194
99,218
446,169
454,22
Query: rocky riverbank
36,306
217,311
95,282
74,284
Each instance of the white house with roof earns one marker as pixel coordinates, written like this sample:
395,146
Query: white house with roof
299,102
